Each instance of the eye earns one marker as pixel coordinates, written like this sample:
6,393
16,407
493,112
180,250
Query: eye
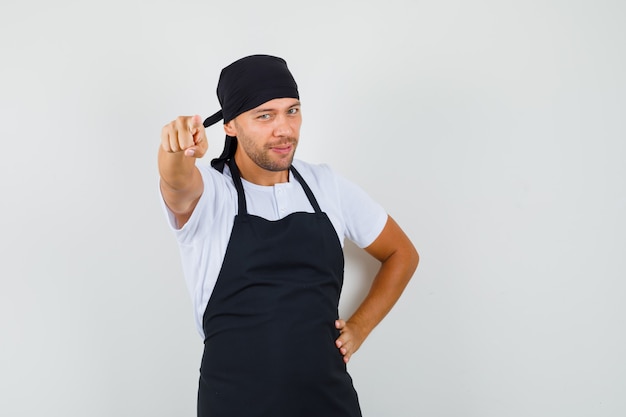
293,110
264,117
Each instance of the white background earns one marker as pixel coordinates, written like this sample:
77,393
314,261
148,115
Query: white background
493,131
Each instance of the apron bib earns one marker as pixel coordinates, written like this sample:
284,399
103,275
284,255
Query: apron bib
269,325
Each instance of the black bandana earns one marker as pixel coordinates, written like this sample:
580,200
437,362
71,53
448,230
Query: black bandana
244,85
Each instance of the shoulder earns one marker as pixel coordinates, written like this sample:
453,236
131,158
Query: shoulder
212,175
352,211
217,198
321,174
325,177
216,183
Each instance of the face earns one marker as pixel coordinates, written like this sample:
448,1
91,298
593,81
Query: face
269,133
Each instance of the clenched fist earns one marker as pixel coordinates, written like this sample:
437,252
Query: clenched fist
185,134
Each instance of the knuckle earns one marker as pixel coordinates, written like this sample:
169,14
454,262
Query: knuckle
181,121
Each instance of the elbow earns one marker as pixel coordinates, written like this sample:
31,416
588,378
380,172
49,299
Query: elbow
407,259
414,259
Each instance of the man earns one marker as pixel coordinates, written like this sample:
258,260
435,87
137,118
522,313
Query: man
261,238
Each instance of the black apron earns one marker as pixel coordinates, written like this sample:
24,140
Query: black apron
269,325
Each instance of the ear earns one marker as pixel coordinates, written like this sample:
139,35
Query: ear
230,128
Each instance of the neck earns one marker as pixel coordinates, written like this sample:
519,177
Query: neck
253,173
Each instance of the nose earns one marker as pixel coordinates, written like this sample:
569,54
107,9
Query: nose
283,127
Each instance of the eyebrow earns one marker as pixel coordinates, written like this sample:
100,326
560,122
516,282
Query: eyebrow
297,104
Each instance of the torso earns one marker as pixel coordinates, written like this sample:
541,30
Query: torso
269,324
204,238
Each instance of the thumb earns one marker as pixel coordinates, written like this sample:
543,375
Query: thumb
192,152
196,128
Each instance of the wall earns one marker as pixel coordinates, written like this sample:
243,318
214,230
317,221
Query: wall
493,131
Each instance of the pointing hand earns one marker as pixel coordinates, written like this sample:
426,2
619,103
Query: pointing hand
185,134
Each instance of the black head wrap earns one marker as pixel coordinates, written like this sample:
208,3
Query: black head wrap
245,84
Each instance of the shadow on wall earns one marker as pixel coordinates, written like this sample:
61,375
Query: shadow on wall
359,272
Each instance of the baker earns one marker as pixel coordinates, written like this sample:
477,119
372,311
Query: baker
261,242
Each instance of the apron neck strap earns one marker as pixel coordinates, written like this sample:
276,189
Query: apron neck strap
307,190
234,172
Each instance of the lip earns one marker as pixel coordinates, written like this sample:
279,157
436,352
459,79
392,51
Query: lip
284,149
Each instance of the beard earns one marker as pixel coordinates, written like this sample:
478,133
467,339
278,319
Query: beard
264,157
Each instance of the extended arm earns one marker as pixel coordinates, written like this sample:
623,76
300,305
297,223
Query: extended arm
399,260
182,141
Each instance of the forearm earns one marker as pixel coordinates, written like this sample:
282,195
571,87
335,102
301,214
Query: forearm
176,170
387,287
399,260
181,184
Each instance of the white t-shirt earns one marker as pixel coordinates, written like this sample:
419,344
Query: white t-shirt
204,238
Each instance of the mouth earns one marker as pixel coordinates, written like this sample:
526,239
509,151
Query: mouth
282,149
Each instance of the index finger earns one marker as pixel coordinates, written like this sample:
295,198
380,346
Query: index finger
194,124
184,137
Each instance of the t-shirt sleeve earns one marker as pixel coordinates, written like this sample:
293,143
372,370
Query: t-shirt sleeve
363,217
207,206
